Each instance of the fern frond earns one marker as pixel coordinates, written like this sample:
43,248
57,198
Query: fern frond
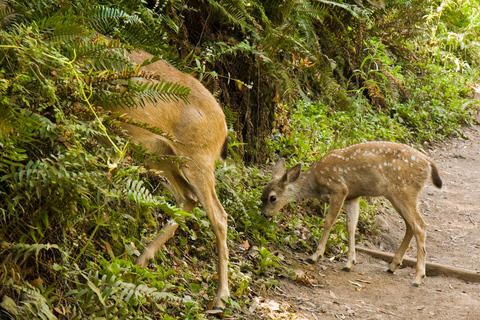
123,117
33,302
353,9
7,15
61,29
136,93
21,251
235,13
18,129
105,19
101,54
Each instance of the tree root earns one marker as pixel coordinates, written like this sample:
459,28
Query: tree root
432,269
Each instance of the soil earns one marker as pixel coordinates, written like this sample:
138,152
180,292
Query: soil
324,291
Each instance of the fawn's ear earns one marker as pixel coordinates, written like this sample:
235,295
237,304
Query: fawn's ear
279,169
293,174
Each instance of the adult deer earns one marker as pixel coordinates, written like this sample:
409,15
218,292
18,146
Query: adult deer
199,133
395,171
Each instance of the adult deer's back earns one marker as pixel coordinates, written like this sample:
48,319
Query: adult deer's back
199,134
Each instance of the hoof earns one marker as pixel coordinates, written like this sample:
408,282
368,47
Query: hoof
309,260
390,271
346,269
413,284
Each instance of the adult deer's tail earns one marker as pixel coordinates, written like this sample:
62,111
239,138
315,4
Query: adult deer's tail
224,153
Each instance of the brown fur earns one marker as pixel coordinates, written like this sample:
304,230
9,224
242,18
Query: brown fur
199,134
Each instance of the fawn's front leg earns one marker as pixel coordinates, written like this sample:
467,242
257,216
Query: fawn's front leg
336,203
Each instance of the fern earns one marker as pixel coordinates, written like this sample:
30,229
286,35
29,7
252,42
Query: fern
33,303
123,117
104,19
7,15
20,251
235,12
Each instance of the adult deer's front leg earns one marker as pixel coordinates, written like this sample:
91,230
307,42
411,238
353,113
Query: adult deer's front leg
164,235
336,203
185,199
153,247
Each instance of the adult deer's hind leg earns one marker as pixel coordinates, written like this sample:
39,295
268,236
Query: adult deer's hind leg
205,186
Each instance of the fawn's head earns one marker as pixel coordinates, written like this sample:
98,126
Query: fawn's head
277,193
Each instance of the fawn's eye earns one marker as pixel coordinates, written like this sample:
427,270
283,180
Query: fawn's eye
273,198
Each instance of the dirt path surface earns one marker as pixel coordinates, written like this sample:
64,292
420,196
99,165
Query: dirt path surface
368,291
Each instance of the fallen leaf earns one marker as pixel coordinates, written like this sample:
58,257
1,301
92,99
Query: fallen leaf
109,249
245,245
58,310
272,305
355,283
37,283
254,305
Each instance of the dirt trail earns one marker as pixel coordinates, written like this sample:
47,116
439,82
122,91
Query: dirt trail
369,292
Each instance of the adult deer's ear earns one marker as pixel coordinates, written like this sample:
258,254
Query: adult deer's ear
279,169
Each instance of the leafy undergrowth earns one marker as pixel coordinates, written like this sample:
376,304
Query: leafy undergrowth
75,211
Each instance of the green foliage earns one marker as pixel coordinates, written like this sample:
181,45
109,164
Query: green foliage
318,129
452,40
439,106
60,188
297,79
